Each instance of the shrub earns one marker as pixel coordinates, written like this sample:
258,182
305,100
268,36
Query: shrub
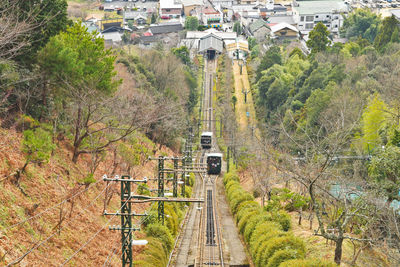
155,254
307,263
231,176
235,193
282,243
283,218
172,220
253,222
160,232
261,242
244,207
283,255
238,200
246,218
229,184
263,228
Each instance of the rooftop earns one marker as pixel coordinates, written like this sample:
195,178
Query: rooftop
314,7
283,25
170,4
211,42
396,13
199,34
192,2
166,28
257,25
279,19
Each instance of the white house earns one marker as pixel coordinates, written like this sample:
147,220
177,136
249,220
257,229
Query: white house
170,8
308,13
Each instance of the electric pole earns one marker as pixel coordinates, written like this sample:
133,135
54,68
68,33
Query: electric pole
126,215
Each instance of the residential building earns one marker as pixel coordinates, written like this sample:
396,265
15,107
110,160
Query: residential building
259,29
209,15
189,6
284,30
170,9
330,12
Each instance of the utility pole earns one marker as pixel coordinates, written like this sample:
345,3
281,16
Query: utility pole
126,214
245,92
175,182
228,159
183,176
161,188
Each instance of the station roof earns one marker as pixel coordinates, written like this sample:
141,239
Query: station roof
211,42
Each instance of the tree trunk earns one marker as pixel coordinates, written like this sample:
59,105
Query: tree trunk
300,216
338,250
77,139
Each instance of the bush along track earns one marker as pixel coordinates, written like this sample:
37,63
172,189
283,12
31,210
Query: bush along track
266,231
161,237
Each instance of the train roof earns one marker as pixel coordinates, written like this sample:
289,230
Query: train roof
206,134
214,155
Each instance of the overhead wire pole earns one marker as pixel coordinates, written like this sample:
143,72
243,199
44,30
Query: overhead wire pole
126,214
175,181
161,188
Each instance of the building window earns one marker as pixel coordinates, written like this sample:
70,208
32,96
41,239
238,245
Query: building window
336,17
302,18
309,26
309,18
316,16
328,16
168,10
334,26
301,25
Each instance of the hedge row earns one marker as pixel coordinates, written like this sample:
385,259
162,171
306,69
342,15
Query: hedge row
161,237
266,233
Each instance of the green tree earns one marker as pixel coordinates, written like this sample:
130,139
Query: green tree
237,27
153,18
234,101
50,18
297,51
318,38
385,170
183,54
271,57
82,71
373,121
191,23
252,42
361,22
37,146
386,31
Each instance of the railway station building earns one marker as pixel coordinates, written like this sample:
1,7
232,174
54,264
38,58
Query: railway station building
211,45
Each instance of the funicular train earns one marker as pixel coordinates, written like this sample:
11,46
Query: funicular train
206,140
214,163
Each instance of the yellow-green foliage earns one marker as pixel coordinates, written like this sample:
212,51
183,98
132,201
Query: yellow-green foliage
154,255
282,243
308,263
373,121
162,233
171,219
246,218
282,256
265,231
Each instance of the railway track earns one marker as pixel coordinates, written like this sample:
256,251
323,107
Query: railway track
209,247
